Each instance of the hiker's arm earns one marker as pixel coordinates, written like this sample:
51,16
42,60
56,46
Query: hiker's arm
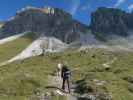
62,73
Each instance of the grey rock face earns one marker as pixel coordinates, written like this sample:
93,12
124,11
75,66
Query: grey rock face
46,21
110,21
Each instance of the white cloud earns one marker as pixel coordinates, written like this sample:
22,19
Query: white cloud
130,7
75,6
84,7
119,2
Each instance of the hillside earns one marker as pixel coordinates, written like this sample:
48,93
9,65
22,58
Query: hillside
21,80
12,48
100,55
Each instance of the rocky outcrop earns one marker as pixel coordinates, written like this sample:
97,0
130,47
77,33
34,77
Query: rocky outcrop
47,21
60,24
111,21
1,24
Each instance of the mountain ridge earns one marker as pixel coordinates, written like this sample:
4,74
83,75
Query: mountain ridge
105,24
47,21
111,21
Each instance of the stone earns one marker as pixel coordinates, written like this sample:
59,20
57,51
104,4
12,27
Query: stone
129,79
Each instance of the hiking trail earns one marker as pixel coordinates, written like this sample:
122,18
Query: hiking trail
55,82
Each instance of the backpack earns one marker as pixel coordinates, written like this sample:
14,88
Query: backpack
66,73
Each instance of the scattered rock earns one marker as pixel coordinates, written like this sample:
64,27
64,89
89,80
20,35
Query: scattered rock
93,56
129,79
103,96
130,87
99,82
84,87
107,67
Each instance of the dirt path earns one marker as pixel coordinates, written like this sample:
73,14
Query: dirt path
56,81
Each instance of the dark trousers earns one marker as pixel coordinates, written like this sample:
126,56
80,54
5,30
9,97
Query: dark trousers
63,84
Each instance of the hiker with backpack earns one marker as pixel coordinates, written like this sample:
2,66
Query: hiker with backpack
65,74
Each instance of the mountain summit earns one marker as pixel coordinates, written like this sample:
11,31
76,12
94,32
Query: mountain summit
54,22
47,21
111,21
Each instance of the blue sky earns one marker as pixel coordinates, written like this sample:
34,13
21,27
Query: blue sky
80,9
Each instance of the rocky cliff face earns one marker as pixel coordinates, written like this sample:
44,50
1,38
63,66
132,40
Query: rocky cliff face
59,24
1,24
110,21
46,21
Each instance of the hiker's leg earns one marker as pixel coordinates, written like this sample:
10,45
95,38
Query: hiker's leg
68,84
63,84
57,72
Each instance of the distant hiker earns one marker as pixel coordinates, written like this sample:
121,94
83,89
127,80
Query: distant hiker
65,74
59,68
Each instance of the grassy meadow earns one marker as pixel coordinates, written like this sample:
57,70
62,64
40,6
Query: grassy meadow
21,79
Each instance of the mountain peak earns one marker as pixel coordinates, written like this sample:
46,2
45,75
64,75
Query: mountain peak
111,21
48,21
47,10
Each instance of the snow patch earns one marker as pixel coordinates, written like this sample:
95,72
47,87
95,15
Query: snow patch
11,38
35,49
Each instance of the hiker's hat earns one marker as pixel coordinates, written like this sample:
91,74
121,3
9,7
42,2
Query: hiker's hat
59,65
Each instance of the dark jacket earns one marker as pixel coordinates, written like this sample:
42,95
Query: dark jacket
65,73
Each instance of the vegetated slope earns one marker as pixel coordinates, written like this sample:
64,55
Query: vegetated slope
12,48
21,80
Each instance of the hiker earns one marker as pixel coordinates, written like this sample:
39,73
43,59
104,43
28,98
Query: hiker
59,68
65,74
